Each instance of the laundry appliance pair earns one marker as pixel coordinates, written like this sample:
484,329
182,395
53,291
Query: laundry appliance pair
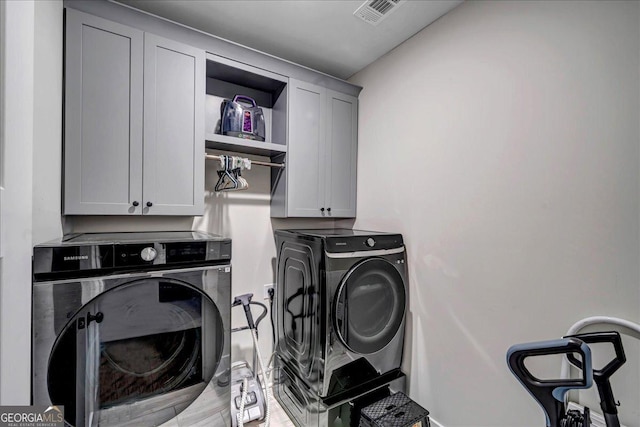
340,309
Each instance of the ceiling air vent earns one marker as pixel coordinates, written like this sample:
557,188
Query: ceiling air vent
374,11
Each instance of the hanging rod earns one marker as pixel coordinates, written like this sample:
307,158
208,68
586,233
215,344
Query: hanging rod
253,162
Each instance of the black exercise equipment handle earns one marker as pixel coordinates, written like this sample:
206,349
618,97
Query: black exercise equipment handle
601,376
550,393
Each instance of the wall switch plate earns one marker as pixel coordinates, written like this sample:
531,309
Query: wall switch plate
266,290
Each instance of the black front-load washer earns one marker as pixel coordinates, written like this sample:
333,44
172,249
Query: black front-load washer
341,301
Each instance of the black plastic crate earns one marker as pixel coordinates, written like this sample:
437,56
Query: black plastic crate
396,410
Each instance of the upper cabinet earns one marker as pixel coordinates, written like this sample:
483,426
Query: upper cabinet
144,97
134,121
320,177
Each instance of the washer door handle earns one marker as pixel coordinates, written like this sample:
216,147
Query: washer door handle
98,317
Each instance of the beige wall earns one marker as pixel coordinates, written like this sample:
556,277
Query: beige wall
32,174
47,131
503,141
16,149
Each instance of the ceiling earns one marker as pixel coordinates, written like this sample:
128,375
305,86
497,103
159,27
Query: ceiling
320,34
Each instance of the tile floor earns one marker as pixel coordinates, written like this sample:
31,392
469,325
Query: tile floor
205,412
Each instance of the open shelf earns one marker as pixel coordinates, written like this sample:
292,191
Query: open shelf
247,77
227,78
215,141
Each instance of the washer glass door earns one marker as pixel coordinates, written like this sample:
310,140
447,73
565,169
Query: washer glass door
139,352
369,306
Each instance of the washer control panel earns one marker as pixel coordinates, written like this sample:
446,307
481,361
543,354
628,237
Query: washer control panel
89,254
134,255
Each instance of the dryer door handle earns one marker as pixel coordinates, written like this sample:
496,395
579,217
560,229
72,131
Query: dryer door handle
361,254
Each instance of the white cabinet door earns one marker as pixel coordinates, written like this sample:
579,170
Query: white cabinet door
174,94
306,150
103,117
341,158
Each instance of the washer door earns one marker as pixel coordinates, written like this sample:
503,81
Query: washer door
150,343
369,306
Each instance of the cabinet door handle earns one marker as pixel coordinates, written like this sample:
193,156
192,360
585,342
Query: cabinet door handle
321,209
328,209
149,204
135,203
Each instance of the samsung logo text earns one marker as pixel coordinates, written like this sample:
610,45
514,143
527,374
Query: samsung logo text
76,257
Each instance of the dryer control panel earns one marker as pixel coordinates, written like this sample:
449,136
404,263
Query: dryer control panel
342,240
341,244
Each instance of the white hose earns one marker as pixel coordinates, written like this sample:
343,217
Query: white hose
243,399
630,328
265,380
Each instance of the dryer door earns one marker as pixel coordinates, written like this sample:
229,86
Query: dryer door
369,306
137,353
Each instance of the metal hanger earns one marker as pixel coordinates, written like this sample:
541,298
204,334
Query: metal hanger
226,179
